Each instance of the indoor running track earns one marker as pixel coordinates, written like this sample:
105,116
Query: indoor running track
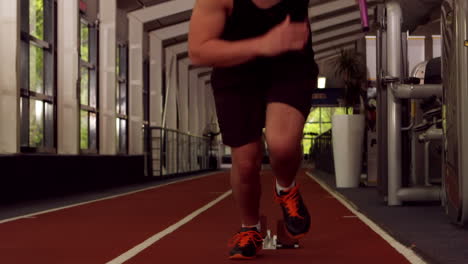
191,221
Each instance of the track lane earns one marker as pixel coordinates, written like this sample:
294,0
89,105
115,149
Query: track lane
337,235
100,231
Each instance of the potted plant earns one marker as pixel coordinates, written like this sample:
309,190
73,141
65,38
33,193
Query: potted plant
348,129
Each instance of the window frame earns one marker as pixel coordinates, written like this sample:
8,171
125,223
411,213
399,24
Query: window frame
92,66
122,72
48,95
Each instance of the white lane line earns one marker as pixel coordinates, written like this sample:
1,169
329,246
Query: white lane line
147,243
409,254
350,216
105,198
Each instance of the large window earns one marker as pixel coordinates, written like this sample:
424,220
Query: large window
38,82
122,99
88,86
318,122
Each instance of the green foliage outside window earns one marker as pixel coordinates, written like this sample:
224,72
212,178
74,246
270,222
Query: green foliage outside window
36,18
84,39
84,86
84,130
36,69
36,74
318,122
36,123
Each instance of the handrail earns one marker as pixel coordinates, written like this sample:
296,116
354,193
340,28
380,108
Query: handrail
170,152
174,130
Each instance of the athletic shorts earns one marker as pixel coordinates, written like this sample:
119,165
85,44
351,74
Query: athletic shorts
243,92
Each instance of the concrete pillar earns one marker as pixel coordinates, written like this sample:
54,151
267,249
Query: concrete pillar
107,74
194,117
156,80
135,145
170,106
67,76
202,106
183,102
9,76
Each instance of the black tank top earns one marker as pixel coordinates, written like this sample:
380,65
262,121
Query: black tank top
247,20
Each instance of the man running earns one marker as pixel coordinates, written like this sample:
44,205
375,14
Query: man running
264,74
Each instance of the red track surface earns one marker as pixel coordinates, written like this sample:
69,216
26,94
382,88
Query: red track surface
101,231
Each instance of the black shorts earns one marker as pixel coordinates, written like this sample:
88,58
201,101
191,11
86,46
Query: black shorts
242,94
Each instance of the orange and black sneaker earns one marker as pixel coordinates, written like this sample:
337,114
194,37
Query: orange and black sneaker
246,244
296,216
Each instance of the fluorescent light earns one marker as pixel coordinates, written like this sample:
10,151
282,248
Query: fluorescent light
322,81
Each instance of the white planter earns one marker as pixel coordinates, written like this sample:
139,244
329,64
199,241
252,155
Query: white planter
348,137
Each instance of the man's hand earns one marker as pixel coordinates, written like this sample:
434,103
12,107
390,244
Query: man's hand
286,36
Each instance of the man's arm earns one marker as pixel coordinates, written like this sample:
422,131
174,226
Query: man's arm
206,47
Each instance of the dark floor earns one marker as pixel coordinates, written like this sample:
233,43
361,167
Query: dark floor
424,227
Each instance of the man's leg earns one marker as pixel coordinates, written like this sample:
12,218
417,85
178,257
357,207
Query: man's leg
284,130
245,180
284,126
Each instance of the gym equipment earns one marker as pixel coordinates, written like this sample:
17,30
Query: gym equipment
454,20
396,91
444,111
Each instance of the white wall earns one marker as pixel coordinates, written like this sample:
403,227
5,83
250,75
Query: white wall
371,57
416,51
436,46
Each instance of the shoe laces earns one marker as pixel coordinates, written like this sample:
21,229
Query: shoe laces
291,202
243,238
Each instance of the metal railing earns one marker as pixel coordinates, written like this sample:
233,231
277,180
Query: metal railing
170,152
307,145
322,152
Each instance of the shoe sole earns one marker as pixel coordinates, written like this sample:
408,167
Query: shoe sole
295,236
240,257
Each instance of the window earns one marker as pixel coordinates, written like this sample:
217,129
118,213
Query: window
88,86
318,122
122,99
38,85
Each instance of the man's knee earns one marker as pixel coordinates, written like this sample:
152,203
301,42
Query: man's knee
283,149
247,166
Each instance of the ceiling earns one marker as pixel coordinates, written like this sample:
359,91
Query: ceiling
335,23
132,5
